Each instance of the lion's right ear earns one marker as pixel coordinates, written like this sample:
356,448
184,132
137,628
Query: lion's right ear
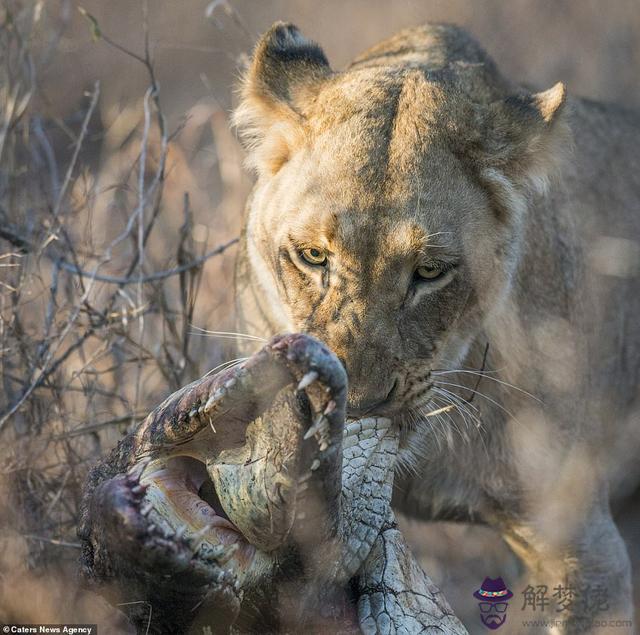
285,65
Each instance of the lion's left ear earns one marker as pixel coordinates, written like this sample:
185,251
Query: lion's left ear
285,67
525,139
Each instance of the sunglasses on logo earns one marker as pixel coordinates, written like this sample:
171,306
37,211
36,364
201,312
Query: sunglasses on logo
500,607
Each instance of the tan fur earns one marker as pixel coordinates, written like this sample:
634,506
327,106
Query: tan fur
422,153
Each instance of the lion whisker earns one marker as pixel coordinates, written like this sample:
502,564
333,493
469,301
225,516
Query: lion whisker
485,376
479,426
437,411
408,458
460,405
226,365
480,394
448,430
226,334
464,413
457,399
421,422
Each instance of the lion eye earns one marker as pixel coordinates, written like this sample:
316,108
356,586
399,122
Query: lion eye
429,272
314,256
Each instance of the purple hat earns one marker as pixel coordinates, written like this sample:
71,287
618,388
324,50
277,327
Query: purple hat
493,591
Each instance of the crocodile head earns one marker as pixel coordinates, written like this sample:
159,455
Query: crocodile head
224,493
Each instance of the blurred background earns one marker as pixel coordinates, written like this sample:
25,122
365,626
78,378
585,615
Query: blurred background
121,194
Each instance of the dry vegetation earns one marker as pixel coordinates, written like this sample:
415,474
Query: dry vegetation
105,242
121,189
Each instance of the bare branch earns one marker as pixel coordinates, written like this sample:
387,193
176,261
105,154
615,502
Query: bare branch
152,277
83,133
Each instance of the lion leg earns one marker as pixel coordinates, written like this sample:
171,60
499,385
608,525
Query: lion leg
587,576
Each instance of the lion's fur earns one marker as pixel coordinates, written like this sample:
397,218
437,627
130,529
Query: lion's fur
421,149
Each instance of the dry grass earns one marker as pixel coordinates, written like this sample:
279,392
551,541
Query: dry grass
114,251
121,191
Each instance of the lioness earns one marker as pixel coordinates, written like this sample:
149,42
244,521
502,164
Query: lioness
468,249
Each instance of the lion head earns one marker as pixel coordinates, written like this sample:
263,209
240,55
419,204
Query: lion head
390,198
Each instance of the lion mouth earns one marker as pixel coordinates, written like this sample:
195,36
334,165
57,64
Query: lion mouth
387,406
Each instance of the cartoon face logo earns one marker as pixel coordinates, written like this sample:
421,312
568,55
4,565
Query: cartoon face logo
493,596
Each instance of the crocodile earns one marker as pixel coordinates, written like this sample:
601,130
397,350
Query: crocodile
246,502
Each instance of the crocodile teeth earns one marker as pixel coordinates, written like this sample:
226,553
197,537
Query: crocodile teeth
212,426
214,554
315,465
180,531
200,534
193,413
227,553
331,406
308,379
323,446
320,426
217,395
139,489
136,472
146,510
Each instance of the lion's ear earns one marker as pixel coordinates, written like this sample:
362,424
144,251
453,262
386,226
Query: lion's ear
285,64
525,139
